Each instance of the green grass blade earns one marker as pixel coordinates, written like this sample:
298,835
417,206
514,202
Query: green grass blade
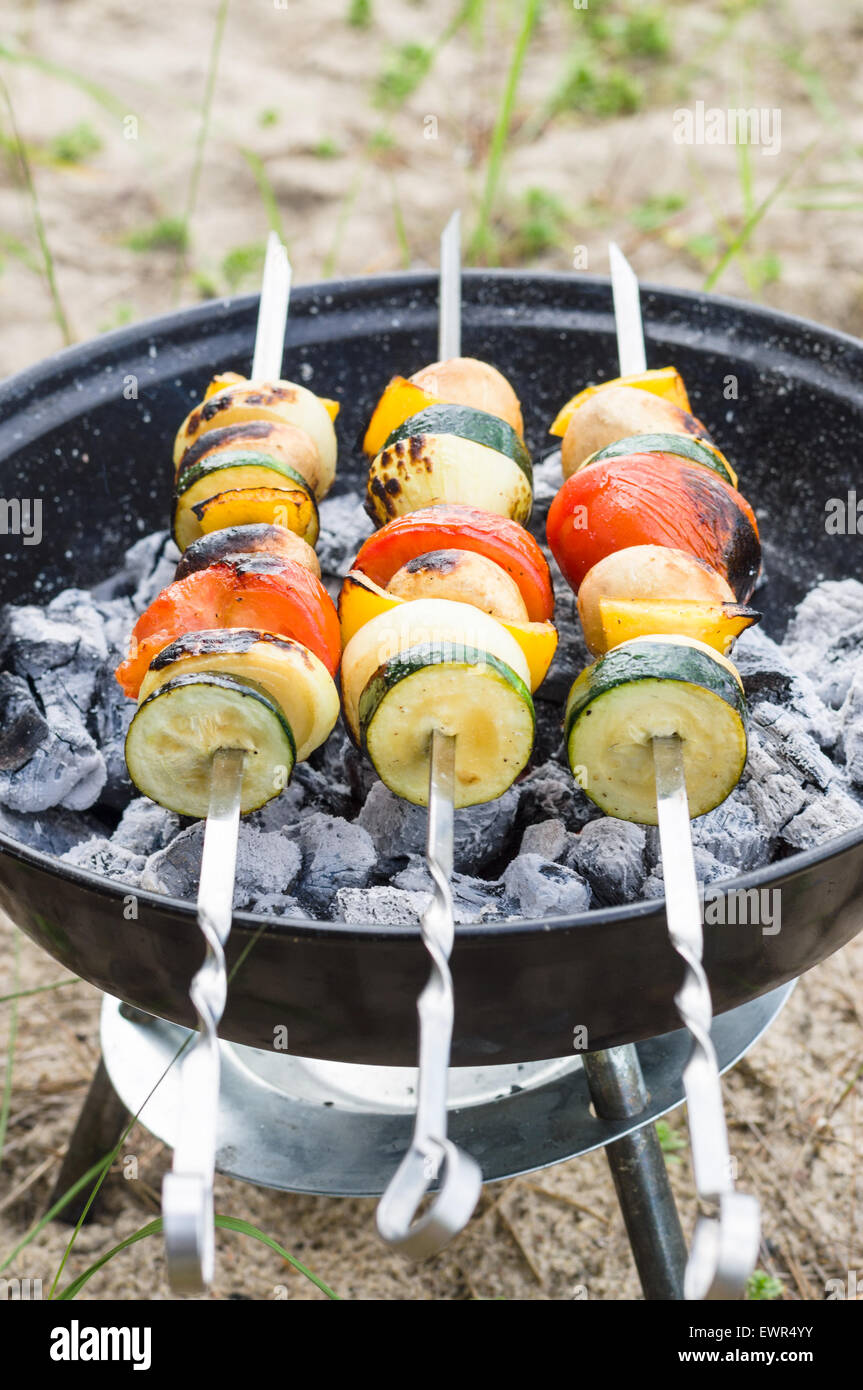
481,242
99,94
746,231
38,225
267,192
224,1223
201,142
53,1210
38,989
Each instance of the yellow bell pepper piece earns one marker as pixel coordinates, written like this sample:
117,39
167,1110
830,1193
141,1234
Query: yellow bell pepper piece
660,381
716,624
361,600
400,400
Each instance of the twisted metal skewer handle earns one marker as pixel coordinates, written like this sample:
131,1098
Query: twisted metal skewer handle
725,1245
432,1155
187,1191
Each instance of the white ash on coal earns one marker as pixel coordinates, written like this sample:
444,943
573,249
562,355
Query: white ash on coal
337,845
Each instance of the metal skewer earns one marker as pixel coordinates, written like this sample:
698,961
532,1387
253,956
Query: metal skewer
187,1191
725,1245
431,1154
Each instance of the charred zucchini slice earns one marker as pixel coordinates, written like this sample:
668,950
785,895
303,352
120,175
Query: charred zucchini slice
645,688
232,472
402,625
178,728
683,445
295,679
427,469
467,423
459,690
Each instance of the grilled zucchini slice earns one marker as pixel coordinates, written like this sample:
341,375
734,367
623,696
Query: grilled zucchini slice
683,445
458,690
405,625
232,472
431,468
296,680
182,724
650,687
467,423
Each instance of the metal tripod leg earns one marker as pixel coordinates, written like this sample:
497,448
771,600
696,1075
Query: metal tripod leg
102,1120
638,1168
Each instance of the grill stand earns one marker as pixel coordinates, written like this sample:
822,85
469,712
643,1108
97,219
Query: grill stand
637,1166
336,1129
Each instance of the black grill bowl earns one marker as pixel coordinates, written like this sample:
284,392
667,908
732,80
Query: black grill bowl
73,433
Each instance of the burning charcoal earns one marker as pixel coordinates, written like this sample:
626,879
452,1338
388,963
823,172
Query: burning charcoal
537,888
707,870
825,636
109,721
398,829
474,899
547,477
53,832
67,770
145,827
344,527
380,907
175,869
276,905
281,812
118,618
852,730
266,864
548,838
150,565
110,860
770,674
336,854
551,792
788,742
774,799
733,834
23,727
572,655
824,819
65,643
549,731
609,853
322,790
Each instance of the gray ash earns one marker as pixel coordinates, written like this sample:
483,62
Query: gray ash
338,845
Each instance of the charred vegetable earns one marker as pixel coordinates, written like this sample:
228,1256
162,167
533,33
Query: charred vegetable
653,687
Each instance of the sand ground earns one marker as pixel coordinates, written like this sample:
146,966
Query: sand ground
362,190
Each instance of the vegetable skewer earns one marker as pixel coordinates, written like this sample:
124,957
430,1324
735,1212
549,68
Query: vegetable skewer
667,739
187,1190
432,1154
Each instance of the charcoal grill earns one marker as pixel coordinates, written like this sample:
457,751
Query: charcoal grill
73,433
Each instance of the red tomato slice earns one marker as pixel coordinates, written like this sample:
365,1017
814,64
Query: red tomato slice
654,499
449,527
279,596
